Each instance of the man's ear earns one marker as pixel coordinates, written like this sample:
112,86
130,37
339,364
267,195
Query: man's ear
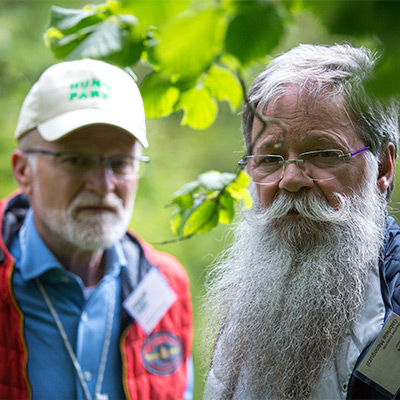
22,170
386,168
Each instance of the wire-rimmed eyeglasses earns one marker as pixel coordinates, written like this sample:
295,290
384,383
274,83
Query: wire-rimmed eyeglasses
319,165
82,163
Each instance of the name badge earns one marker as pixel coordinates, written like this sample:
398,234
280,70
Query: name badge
151,299
380,367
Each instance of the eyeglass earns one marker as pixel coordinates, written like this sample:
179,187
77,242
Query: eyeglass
319,165
82,163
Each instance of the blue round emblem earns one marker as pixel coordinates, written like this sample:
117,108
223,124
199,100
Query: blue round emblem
162,353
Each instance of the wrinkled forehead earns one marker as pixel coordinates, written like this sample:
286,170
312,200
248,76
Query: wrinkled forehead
314,104
301,113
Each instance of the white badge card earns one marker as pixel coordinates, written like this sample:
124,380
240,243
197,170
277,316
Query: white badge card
151,299
380,367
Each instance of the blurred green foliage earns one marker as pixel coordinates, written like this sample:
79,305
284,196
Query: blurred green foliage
180,154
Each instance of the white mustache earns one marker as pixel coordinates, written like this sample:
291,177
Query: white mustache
86,199
308,206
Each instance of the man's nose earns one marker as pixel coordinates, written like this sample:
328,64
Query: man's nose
101,179
295,178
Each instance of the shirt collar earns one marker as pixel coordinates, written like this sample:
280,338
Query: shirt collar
36,258
115,259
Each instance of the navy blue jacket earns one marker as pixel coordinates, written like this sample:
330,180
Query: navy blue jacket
389,269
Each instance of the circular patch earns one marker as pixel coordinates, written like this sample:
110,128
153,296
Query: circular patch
162,353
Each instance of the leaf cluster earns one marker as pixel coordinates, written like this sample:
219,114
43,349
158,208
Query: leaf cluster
193,50
207,201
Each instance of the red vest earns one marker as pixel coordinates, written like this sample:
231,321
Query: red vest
154,366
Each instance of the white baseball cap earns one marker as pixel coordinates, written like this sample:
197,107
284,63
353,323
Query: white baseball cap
74,94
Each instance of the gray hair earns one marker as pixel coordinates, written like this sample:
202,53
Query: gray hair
338,71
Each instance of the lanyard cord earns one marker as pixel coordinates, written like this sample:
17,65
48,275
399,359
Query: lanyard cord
64,337
106,345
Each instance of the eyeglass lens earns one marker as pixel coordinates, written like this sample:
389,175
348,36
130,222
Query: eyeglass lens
319,165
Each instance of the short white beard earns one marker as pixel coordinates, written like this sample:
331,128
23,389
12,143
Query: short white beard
90,232
286,294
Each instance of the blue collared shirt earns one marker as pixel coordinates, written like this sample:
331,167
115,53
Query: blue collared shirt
50,369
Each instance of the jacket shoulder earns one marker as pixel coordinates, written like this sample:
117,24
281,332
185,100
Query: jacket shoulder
391,263
165,261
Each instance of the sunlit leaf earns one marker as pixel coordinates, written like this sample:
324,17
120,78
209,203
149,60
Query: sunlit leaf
150,13
200,110
184,196
175,221
54,33
238,189
189,43
203,218
159,95
215,180
226,209
209,200
184,201
181,215
255,31
223,85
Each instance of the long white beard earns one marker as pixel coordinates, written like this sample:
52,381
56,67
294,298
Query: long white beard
285,295
90,232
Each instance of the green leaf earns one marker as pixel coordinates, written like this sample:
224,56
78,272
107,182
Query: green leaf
238,189
203,217
184,196
187,189
211,199
226,209
95,32
223,85
61,45
215,180
159,95
175,221
254,31
150,13
181,215
189,43
200,110
184,202
68,20
100,43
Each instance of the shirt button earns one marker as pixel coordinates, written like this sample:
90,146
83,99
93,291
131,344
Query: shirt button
88,376
84,317
345,386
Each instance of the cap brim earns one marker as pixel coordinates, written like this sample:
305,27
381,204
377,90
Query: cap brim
64,124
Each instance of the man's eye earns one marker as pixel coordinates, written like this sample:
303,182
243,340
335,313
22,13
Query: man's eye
75,160
326,154
324,158
121,163
269,159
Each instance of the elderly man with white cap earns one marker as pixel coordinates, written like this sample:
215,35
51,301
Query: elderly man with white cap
87,311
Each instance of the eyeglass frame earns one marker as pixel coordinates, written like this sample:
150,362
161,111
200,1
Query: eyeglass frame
243,162
106,161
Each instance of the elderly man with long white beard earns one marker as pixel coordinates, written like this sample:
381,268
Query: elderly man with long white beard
313,272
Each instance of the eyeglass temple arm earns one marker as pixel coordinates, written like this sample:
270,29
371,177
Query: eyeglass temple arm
353,153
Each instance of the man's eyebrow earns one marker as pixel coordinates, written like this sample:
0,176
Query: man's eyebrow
265,144
323,140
